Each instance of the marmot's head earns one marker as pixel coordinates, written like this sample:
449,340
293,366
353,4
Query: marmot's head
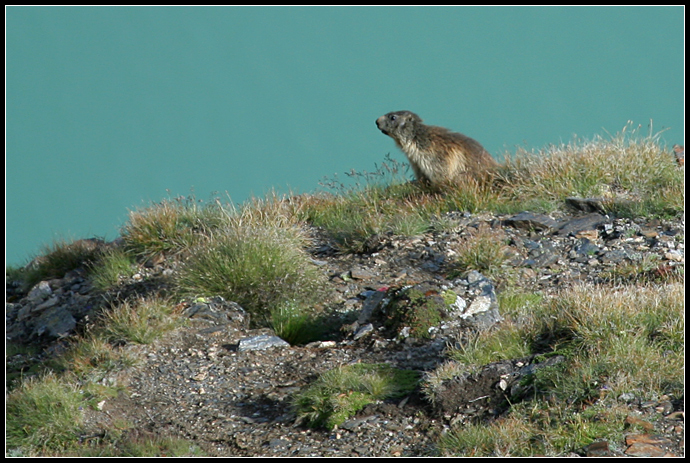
400,125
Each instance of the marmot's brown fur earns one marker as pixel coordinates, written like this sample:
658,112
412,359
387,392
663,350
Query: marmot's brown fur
438,156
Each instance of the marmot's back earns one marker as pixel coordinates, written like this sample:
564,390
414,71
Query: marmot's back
437,155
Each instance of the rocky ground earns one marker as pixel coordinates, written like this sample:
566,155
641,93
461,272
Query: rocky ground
227,388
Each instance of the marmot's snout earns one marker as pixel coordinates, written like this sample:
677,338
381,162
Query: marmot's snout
381,123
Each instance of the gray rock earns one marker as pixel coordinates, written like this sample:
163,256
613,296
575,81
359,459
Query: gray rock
363,331
530,221
372,301
220,311
586,247
478,281
479,304
579,224
586,204
584,251
475,278
484,320
359,273
545,258
47,304
598,449
24,312
529,263
278,443
261,342
55,322
676,256
614,256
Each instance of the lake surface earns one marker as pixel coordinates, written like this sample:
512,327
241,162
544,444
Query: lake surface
110,108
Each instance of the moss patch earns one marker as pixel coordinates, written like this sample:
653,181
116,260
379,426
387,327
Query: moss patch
419,307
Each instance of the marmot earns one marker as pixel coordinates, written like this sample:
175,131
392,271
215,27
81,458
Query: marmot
438,156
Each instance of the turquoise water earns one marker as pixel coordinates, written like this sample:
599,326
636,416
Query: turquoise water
110,108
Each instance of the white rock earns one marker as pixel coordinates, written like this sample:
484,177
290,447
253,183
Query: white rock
458,305
261,342
479,305
40,292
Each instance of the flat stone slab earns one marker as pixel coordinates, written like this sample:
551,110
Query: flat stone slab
261,342
529,220
578,224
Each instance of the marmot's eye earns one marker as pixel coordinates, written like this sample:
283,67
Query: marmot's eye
394,118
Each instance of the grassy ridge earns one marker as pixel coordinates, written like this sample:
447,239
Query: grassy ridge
626,338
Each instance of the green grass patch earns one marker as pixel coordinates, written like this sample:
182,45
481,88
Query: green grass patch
348,222
380,202
157,447
432,380
14,274
340,393
505,342
351,219
472,195
43,414
296,324
22,361
648,269
635,334
518,303
139,322
259,267
111,268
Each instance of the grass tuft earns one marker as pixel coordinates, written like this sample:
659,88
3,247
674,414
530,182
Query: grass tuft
139,322
172,227
259,267
58,259
506,342
535,429
340,393
111,268
483,249
296,325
